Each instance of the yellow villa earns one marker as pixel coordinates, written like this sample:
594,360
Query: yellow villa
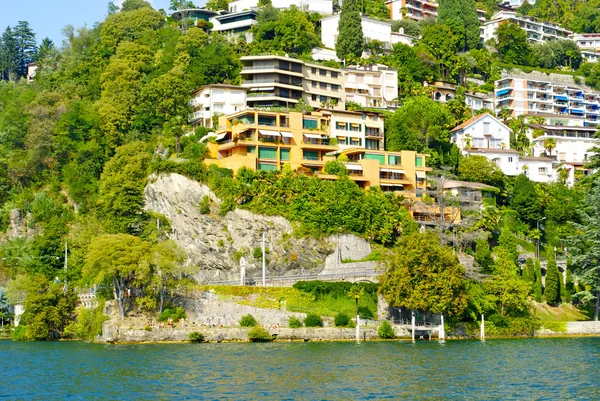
268,140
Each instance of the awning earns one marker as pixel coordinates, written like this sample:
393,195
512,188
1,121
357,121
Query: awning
371,124
502,92
262,89
420,174
313,136
355,124
268,133
575,111
363,86
351,85
353,166
561,98
221,136
391,185
286,134
397,171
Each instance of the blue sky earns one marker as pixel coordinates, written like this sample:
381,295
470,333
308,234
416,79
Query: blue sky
47,17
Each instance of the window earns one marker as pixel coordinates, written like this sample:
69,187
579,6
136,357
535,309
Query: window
267,153
394,160
419,161
371,156
323,98
313,70
334,74
323,73
311,155
510,159
542,170
314,97
308,123
284,154
323,85
314,84
267,167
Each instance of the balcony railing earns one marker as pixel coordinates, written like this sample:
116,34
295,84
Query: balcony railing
272,81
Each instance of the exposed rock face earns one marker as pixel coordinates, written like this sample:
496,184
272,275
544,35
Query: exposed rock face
215,243
17,226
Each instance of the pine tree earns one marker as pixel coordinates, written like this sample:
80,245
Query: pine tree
552,289
350,40
529,274
538,287
525,200
26,46
8,55
461,17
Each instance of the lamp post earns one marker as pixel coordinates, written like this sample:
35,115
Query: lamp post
538,240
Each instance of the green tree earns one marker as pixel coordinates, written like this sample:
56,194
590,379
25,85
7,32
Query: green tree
553,279
441,43
461,17
9,55
412,70
47,308
167,261
510,291
549,144
512,44
483,256
528,274
418,121
131,5
46,47
121,189
349,44
538,286
26,46
525,200
585,245
480,169
120,258
422,275
217,5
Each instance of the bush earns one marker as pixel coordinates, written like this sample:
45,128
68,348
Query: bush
20,333
196,337
248,321
259,334
499,320
341,320
294,322
175,313
313,320
205,205
386,331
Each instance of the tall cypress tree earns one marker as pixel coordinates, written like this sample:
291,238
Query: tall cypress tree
538,288
350,40
461,17
8,55
529,274
552,290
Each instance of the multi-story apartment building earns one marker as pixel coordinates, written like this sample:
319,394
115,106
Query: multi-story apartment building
235,24
373,29
537,31
371,86
283,81
319,6
263,140
412,9
571,144
530,95
589,43
213,100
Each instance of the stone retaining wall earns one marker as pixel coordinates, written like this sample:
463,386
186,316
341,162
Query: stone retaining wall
583,328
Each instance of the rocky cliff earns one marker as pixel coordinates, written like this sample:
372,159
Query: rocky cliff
216,244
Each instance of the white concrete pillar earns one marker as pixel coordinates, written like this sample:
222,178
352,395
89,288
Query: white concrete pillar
482,328
442,330
357,328
413,327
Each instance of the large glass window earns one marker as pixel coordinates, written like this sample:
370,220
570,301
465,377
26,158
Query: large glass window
267,153
266,120
371,156
284,154
394,160
311,155
308,123
419,161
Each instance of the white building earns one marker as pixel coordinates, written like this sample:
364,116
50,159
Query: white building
506,159
572,144
589,43
214,100
537,169
528,94
235,23
481,132
478,101
371,85
537,32
319,6
373,29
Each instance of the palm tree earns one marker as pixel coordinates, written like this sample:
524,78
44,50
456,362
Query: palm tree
549,144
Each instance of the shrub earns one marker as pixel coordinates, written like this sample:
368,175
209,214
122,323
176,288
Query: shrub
499,320
294,322
20,333
386,331
205,205
313,320
147,328
341,320
196,337
248,321
259,334
175,313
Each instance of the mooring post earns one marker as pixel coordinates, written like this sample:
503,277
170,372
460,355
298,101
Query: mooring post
442,330
357,328
482,328
413,326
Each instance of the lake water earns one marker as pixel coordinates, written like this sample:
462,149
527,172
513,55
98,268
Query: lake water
520,369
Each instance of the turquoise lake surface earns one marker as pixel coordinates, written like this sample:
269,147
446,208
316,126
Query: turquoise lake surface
519,369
